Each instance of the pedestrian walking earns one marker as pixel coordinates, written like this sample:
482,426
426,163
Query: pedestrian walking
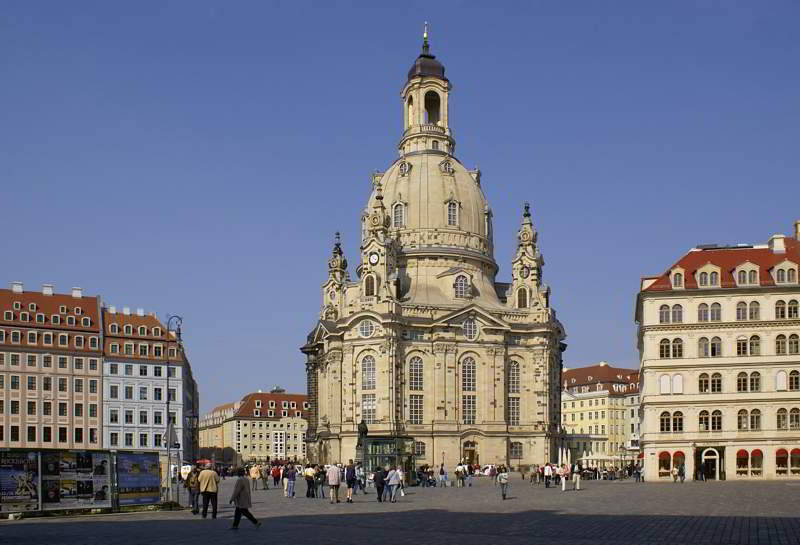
548,475
563,476
242,500
334,480
290,475
350,480
276,476
192,484
361,478
576,476
682,472
255,476
265,477
209,487
379,479
502,480
393,481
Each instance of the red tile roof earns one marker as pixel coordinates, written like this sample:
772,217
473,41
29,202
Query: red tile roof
248,405
602,374
727,259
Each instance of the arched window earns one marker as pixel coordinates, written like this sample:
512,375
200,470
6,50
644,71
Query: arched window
780,380
742,277
755,420
128,330
399,215
663,384
367,373
794,344
755,382
755,345
716,312
791,276
741,382
677,314
664,464
780,345
468,375
703,421
703,383
741,420
781,461
781,276
782,419
411,120
741,310
677,280
416,374
677,348
702,312
716,383
714,279
470,329
663,314
522,298
461,286
702,347
665,421
513,377
704,279
780,310
742,462
753,277
716,421
663,351
114,328
794,381
715,347
432,104
677,384
794,419
755,310
369,286
792,309
452,213
677,421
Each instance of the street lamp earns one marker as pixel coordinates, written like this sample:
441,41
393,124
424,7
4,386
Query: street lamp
170,425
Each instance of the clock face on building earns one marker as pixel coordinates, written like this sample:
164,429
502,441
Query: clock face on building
373,258
526,272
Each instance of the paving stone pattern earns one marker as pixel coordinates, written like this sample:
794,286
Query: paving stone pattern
618,512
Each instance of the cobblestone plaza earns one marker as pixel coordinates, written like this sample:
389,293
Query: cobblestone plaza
605,512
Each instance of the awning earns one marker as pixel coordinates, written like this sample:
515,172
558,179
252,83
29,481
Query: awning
781,453
757,454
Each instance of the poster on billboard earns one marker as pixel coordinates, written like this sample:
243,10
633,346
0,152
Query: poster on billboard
76,480
138,478
19,481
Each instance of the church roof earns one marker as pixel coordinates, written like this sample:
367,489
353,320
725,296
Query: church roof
426,64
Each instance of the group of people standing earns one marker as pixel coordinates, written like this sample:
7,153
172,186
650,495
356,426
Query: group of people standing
555,474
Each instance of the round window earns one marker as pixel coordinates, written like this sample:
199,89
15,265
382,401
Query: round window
366,328
470,329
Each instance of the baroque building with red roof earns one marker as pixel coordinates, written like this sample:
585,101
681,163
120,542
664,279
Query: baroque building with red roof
719,341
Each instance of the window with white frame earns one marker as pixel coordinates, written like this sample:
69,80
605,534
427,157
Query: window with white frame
415,408
461,286
468,408
452,213
399,215
470,329
368,408
513,411
367,373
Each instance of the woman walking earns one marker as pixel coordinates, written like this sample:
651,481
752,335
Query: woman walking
502,480
241,499
393,480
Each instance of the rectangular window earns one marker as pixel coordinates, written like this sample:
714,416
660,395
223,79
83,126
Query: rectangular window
156,439
77,363
142,368
14,382
31,433
113,368
415,408
143,350
129,370
31,383
157,418
62,409
142,439
62,362
15,337
14,434
172,417
62,434
47,338
14,406
143,393
171,370
63,340
128,350
47,361
93,436
157,369
14,360
93,410
114,439
79,435
31,408
31,337
113,391
79,341
47,434
62,384
114,350
47,408
468,408
128,392
129,416
171,394
157,394
128,439
31,360
93,386
79,410
78,386
513,411
113,416
142,417
368,408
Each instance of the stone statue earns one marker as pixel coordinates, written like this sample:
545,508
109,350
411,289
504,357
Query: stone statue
362,432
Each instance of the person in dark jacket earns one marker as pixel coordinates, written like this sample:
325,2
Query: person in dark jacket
380,482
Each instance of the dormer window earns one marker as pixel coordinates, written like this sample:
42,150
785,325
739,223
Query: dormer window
752,277
62,309
703,279
677,280
55,319
86,322
399,215
781,276
461,286
78,311
113,328
32,307
70,320
17,305
128,330
24,316
714,279
156,331
40,318
142,331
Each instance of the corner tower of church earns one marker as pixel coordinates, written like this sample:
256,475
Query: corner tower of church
425,343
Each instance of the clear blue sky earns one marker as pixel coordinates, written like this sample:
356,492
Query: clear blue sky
196,157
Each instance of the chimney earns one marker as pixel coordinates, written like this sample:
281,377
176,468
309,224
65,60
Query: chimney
16,287
126,311
797,229
112,309
140,312
777,244
77,293
47,289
